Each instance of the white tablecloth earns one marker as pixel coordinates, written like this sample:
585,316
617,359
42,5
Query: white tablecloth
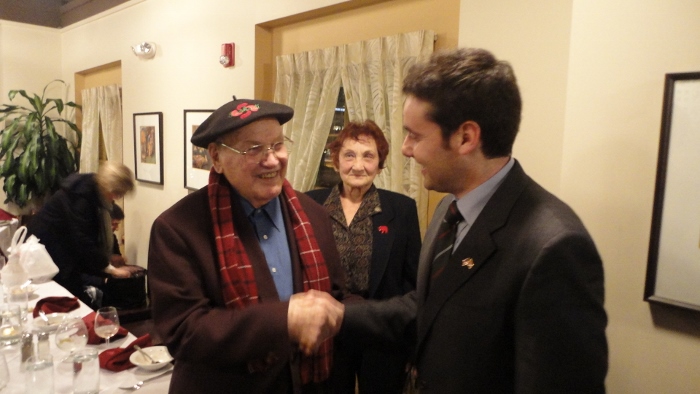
63,372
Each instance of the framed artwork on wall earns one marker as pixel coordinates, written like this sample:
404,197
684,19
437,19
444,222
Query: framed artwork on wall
673,266
197,160
148,147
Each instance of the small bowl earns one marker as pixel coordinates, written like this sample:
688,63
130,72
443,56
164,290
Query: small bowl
159,354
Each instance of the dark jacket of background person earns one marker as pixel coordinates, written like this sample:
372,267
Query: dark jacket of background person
217,351
394,251
71,226
396,243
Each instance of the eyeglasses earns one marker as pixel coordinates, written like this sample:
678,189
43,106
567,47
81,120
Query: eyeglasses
257,153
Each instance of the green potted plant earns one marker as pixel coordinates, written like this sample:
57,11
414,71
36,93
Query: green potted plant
34,157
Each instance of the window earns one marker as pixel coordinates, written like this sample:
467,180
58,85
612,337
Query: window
327,176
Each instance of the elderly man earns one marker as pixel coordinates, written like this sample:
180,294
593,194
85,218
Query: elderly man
242,271
509,296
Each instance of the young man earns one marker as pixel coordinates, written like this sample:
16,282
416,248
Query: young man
510,293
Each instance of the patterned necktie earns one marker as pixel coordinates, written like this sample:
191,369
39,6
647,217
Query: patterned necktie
445,240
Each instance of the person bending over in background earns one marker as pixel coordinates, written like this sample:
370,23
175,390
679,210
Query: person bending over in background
75,226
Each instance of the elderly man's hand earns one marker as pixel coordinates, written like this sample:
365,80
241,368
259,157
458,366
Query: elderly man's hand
313,317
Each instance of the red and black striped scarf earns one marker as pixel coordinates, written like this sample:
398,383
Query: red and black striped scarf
237,277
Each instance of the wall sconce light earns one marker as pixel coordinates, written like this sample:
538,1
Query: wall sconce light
227,54
144,50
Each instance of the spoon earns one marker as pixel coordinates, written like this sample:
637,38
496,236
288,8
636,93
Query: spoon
43,317
137,347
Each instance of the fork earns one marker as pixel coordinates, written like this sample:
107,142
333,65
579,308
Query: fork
140,383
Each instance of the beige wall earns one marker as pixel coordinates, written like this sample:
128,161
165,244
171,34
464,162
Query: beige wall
30,58
591,72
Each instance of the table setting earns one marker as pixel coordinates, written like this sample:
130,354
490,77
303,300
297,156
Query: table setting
64,346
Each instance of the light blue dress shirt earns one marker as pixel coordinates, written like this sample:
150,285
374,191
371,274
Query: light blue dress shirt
268,223
471,204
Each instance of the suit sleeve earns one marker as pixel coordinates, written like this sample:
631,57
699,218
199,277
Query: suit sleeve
388,324
560,343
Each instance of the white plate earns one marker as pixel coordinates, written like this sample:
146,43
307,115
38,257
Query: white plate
159,354
55,320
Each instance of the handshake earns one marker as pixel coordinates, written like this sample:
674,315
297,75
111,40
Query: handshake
313,317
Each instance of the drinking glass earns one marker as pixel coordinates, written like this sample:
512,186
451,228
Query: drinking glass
10,324
106,322
86,372
71,335
4,372
19,295
39,374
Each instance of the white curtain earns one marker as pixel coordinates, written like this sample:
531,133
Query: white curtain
101,105
372,74
309,82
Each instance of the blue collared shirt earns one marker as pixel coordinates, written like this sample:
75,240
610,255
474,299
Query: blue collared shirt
268,223
471,204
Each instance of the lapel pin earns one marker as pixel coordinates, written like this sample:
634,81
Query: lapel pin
468,262
383,229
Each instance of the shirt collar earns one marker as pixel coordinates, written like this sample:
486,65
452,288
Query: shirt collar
471,204
272,210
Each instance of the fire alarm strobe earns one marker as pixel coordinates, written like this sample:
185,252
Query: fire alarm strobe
227,54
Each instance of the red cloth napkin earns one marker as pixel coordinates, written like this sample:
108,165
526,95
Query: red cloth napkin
117,359
93,339
56,305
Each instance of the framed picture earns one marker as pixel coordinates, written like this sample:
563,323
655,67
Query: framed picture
197,160
673,267
148,147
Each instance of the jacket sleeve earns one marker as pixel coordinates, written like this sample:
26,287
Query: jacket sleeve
188,309
560,322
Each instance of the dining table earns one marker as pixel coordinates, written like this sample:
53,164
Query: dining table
110,382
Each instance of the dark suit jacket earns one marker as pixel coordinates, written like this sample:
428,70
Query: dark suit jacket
394,251
221,350
528,316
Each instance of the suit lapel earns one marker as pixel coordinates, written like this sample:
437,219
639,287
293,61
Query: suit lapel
383,235
478,245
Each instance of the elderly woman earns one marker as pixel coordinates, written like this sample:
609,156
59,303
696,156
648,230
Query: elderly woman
378,238
75,226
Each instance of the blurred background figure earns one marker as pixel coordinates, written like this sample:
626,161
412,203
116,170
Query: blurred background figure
378,238
117,215
75,226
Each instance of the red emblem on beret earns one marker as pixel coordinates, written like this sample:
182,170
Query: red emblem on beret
383,229
244,110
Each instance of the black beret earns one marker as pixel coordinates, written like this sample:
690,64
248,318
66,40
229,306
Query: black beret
236,114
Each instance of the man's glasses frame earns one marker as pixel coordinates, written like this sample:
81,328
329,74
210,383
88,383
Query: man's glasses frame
259,152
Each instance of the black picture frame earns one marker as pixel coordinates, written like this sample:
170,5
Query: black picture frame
197,160
148,147
673,265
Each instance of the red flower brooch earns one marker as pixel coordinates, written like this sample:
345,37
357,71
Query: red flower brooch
243,110
383,229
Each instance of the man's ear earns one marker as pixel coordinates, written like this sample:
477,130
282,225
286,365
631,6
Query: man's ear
468,137
213,150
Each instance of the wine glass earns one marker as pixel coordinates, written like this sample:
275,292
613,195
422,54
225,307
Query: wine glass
71,335
106,322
